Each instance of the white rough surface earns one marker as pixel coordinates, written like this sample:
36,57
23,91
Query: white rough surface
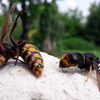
18,83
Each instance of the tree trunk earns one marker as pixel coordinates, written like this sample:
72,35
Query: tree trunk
48,44
25,22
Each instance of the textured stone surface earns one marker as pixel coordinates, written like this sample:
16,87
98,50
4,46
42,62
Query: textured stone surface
18,83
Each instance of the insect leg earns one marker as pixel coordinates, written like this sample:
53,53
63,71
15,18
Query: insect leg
62,69
96,66
89,73
19,60
15,24
17,52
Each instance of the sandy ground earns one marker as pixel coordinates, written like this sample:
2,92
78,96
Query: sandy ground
18,83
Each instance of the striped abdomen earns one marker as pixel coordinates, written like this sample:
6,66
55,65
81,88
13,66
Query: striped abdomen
32,58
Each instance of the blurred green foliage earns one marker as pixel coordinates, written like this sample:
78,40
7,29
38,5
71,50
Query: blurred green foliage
17,32
55,32
77,44
1,21
92,28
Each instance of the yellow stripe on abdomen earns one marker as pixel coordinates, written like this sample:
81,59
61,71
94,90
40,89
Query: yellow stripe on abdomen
31,55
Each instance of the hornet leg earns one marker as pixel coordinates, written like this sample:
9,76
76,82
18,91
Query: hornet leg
17,57
89,73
